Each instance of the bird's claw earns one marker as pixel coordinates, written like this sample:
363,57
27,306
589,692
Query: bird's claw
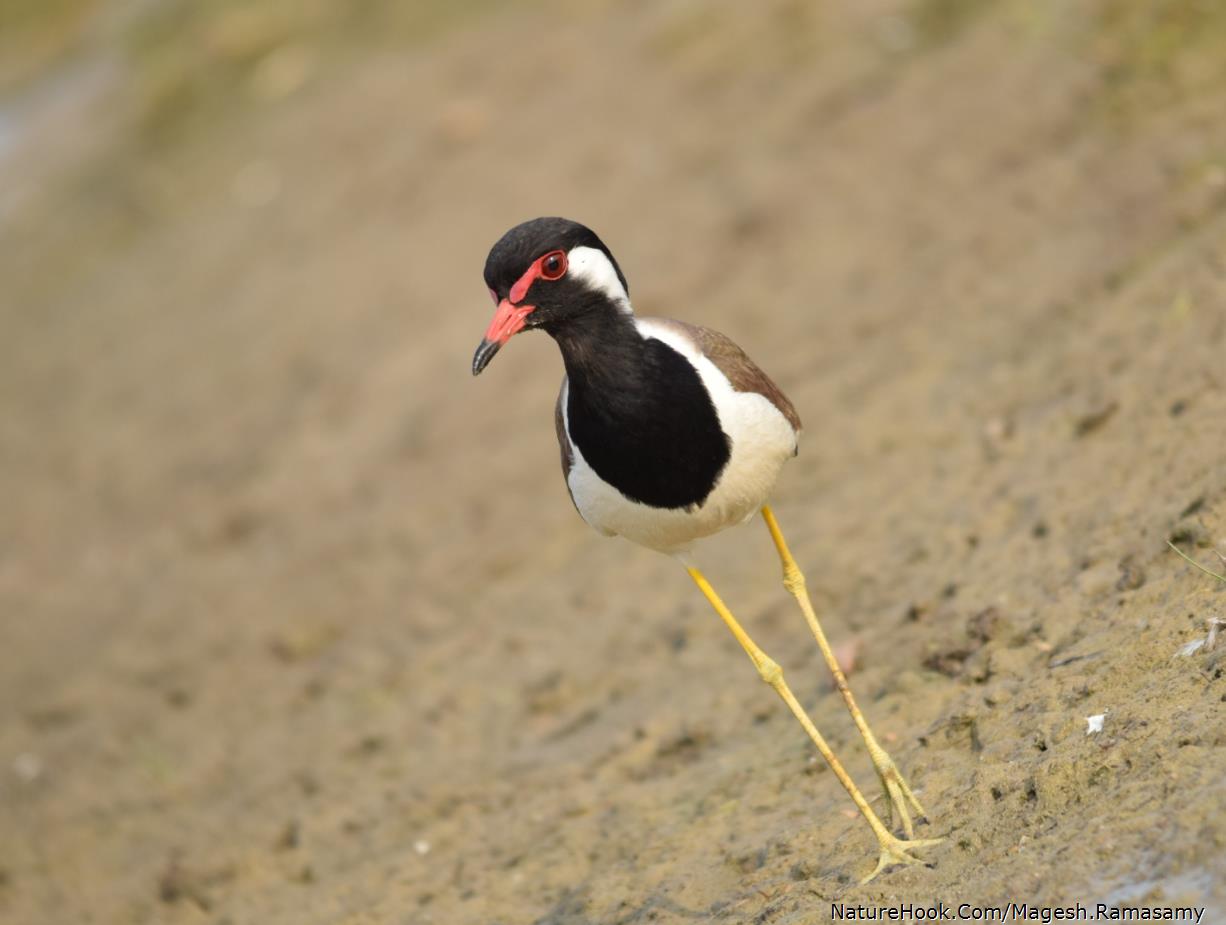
896,850
899,796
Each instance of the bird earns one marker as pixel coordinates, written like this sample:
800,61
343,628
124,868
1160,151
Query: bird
670,433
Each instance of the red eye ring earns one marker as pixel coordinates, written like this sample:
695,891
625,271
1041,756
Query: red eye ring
553,265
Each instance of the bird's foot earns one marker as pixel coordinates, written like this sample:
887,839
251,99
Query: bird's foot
896,850
899,797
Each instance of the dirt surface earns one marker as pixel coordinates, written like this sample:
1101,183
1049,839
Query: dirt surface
299,625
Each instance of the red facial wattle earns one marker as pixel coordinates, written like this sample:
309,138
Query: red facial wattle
511,316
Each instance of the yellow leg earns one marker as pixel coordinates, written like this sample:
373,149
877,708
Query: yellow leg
893,849
898,794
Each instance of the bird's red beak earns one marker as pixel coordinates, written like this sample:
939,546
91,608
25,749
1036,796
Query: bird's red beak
508,321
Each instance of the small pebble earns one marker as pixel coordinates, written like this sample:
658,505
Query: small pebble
28,766
463,121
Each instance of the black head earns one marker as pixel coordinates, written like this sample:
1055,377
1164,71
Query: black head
545,273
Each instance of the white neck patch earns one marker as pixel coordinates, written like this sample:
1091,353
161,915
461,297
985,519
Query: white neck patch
590,266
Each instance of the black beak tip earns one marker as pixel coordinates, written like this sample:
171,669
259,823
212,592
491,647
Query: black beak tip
485,352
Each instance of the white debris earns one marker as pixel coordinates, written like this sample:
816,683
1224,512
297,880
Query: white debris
1191,648
421,846
1211,640
1208,643
1095,723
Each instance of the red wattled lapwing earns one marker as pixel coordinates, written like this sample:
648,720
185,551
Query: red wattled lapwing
669,433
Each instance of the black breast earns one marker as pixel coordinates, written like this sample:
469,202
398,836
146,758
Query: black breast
650,429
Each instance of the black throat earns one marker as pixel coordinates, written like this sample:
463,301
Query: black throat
639,413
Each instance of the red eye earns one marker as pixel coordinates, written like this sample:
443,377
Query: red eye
553,265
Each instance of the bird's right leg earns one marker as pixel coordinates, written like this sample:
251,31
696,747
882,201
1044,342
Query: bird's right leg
897,792
894,850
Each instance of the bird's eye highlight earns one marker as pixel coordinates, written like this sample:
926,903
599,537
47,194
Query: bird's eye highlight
553,265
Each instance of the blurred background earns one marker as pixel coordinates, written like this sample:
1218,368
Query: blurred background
298,623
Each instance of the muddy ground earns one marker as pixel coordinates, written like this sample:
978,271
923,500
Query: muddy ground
299,625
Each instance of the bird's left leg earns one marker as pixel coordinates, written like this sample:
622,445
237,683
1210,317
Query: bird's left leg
894,850
899,795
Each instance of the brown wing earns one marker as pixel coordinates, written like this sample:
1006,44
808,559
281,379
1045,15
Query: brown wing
732,361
